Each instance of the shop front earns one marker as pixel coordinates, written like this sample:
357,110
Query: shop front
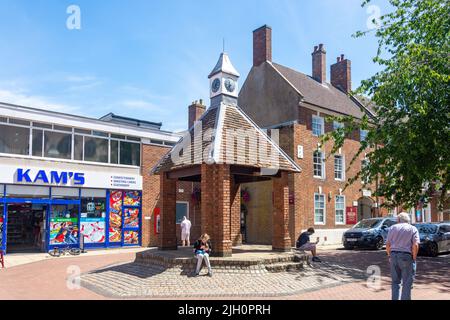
45,208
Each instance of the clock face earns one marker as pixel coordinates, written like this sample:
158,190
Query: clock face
215,85
230,85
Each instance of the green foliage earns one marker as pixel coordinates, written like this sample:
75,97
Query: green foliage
408,145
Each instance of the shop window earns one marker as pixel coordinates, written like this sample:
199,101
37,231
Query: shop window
14,140
95,149
16,191
62,128
182,211
319,208
78,148
114,152
130,153
64,224
93,220
65,193
2,191
340,209
57,145
37,142
1,225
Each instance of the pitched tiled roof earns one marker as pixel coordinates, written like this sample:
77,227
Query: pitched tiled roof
225,124
323,94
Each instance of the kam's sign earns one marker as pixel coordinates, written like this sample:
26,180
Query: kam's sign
58,175
50,177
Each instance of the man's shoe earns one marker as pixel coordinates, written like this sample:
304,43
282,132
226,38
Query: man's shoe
316,259
210,274
196,275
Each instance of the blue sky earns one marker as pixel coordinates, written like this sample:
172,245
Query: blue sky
150,59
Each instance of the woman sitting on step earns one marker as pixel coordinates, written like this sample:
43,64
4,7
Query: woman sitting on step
202,250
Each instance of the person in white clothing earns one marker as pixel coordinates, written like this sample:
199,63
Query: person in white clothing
185,231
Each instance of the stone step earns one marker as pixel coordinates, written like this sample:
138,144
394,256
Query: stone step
284,266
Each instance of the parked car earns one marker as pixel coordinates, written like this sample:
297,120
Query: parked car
434,238
368,233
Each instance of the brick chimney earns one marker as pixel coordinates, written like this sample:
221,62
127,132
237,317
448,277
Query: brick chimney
262,45
341,74
319,63
196,110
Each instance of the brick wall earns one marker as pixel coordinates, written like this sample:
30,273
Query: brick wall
151,154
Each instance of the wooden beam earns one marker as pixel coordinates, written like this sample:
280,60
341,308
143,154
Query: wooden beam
248,179
184,172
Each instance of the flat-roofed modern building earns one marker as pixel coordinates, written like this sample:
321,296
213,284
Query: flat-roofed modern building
65,177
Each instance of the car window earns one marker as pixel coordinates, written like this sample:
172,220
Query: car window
426,228
388,223
366,224
444,228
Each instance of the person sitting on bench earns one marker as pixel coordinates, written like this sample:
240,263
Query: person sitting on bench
303,243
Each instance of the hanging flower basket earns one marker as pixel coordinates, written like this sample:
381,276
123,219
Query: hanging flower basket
245,195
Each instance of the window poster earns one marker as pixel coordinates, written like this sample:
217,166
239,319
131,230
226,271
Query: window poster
131,237
63,231
132,198
115,216
131,216
93,216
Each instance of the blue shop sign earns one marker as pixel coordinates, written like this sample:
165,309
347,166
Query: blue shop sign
50,177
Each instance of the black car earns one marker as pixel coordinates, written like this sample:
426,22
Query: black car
434,238
368,233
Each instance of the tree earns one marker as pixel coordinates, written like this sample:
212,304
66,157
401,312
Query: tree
408,141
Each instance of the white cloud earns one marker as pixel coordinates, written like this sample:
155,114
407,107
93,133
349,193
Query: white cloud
40,102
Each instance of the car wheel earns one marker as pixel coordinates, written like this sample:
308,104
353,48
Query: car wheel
433,249
379,243
348,247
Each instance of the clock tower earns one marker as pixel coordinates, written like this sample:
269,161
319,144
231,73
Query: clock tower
223,83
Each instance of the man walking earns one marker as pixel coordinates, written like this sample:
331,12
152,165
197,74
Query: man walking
185,231
402,246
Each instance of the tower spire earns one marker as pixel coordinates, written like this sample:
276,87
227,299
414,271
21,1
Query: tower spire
223,81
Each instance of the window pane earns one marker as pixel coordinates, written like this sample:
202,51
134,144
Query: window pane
61,128
37,143
95,149
317,163
82,131
117,136
99,134
20,122
338,167
319,205
317,126
42,125
130,153
57,145
114,151
14,140
181,211
133,138
78,148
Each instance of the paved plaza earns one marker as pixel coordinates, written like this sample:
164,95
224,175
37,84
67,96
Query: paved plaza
342,275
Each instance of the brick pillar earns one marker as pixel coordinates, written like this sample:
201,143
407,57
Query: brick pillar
235,209
281,241
168,236
216,185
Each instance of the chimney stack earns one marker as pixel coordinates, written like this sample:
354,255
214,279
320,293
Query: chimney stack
341,74
196,110
262,45
319,62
